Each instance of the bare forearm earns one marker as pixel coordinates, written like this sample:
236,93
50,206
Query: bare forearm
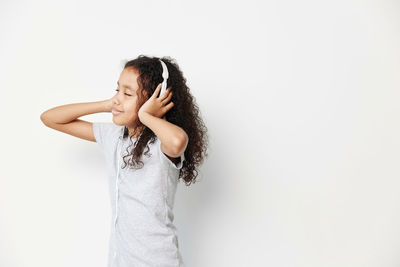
70,112
169,134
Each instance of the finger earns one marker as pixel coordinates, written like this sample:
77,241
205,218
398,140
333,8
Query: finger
165,94
166,100
157,91
167,91
169,106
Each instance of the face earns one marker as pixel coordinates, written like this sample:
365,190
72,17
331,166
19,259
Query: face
125,99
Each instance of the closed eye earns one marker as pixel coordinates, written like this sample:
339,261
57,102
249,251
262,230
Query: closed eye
125,93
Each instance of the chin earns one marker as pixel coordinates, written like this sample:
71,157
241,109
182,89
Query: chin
122,122
117,122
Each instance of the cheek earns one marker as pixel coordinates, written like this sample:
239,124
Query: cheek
131,105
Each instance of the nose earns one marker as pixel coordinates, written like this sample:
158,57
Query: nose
115,99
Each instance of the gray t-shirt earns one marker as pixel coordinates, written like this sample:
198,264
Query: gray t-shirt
142,230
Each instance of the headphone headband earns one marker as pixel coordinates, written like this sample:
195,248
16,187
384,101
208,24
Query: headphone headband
165,75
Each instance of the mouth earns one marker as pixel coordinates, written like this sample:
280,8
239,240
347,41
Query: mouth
115,111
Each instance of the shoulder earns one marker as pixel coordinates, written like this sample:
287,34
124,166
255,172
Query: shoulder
106,132
107,127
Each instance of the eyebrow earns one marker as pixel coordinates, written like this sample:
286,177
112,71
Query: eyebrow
126,86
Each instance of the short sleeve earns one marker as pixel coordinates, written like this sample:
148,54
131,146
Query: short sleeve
104,133
97,132
165,158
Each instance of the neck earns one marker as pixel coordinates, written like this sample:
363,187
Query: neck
132,131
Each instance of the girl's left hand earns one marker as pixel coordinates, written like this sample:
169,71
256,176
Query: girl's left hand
156,106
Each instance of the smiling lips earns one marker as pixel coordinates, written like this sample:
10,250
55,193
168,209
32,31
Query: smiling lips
115,111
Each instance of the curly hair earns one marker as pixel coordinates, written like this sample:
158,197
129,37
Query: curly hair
185,114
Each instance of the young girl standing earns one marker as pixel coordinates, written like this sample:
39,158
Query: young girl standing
160,137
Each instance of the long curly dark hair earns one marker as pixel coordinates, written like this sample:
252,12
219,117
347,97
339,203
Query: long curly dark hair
185,114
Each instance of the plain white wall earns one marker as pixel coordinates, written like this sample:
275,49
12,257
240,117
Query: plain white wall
300,99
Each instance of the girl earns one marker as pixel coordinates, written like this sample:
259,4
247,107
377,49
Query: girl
160,138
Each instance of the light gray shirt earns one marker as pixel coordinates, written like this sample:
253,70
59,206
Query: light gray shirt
142,230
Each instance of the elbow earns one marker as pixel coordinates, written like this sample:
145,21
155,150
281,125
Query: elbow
43,118
181,144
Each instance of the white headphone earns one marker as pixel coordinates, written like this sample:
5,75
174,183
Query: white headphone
165,77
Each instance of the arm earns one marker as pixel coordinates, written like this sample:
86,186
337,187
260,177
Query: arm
65,118
173,138
70,112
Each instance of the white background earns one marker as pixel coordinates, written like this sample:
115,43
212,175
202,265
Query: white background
301,101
